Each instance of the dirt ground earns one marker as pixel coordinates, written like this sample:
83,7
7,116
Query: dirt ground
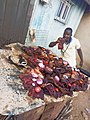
81,106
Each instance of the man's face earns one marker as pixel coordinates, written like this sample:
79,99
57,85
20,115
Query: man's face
67,34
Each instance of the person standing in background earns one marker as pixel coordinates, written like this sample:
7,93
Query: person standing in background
68,45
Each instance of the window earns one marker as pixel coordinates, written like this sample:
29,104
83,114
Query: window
63,11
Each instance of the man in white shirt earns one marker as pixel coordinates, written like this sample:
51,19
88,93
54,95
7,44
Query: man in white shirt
68,46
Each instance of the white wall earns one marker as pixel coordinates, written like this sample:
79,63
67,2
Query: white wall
49,29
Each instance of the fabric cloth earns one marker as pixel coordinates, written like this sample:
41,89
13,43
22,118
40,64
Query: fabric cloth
68,52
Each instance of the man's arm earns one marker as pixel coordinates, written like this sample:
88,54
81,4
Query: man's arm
52,44
80,56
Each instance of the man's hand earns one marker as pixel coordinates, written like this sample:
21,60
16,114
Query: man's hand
81,57
60,40
52,44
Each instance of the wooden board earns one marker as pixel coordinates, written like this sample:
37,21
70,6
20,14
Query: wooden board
49,111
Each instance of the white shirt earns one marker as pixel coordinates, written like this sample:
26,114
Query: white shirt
70,51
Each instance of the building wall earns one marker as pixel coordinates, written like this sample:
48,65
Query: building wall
48,29
14,20
83,34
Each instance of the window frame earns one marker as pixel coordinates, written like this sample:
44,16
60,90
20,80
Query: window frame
63,11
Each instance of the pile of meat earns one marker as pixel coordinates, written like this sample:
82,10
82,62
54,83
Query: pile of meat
46,74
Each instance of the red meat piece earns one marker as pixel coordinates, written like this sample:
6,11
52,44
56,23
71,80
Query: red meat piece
50,89
35,94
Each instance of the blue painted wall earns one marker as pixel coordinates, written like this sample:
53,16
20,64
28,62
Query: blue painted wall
48,29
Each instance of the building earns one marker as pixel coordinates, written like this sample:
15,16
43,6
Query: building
83,34
51,17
